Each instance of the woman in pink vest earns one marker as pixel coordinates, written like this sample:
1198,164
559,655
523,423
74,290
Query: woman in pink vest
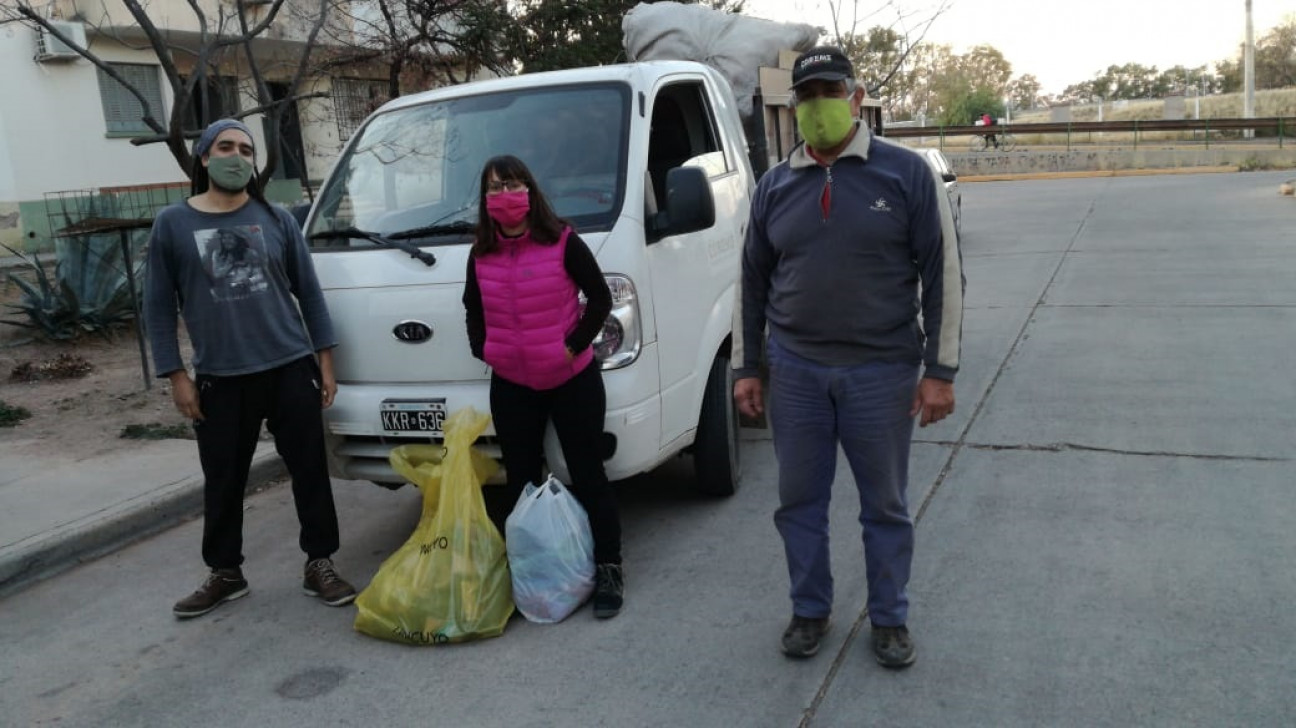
525,320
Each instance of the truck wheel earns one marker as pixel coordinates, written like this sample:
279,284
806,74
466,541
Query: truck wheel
715,449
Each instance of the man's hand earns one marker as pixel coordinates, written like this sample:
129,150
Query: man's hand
748,395
328,383
934,399
185,394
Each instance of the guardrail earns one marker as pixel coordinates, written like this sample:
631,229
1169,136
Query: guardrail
1282,125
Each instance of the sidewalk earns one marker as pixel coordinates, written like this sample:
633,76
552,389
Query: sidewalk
53,519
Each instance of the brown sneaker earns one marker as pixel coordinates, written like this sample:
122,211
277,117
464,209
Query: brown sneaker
803,635
323,581
221,585
893,647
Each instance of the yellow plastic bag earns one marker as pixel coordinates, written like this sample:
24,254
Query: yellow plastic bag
450,581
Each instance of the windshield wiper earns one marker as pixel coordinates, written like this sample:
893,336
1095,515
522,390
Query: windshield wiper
459,226
388,242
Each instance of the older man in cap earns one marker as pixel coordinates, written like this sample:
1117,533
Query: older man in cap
238,270
851,238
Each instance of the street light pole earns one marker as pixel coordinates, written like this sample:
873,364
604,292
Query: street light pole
1248,73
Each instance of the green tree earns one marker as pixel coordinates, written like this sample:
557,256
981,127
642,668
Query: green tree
967,107
1130,81
1275,59
962,87
878,57
1024,92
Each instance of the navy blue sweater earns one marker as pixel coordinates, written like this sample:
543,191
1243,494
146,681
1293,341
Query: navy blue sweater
234,277
845,285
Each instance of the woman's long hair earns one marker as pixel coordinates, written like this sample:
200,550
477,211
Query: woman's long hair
546,227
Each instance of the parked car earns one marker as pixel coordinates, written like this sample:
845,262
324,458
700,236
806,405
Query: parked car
650,164
942,168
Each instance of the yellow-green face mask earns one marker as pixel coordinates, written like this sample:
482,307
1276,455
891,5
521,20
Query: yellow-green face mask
824,122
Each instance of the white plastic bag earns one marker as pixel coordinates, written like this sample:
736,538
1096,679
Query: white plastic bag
735,45
550,552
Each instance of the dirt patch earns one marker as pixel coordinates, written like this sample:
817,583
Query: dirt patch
81,395
85,414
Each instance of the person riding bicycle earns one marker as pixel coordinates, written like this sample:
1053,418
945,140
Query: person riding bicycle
991,139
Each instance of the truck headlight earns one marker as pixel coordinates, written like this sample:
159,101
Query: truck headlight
618,344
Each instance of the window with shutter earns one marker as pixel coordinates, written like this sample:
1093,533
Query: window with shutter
353,100
123,113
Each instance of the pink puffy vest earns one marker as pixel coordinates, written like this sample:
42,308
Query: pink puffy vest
530,305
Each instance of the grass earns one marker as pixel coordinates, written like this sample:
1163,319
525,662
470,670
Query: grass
10,415
157,431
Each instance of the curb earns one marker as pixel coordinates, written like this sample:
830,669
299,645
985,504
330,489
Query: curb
1096,173
51,553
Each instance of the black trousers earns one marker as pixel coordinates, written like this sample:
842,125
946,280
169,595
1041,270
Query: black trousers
288,400
577,408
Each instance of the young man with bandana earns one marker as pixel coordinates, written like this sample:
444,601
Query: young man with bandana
850,239
238,270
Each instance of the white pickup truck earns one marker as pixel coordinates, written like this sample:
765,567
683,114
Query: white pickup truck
649,163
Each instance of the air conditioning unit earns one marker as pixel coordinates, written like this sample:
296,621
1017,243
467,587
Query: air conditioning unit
51,49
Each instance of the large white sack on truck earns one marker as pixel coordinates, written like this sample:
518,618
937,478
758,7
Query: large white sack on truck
735,45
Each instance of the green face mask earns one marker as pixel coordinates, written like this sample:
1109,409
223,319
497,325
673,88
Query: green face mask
824,122
229,173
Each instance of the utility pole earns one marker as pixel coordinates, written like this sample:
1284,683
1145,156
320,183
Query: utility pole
1248,73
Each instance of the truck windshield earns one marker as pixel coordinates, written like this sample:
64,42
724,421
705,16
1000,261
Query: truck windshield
419,168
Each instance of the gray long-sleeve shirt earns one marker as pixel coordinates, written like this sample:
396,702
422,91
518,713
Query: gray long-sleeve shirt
836,257
234,277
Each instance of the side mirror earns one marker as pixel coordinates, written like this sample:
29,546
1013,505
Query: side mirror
949,177
690,206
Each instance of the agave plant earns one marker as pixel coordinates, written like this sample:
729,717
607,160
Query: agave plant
87,293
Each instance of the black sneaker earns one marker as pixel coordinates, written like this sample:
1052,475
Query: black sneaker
803,635
609,585
893,647
323,581
221,585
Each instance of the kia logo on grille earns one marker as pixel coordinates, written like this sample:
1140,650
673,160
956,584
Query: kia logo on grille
412,332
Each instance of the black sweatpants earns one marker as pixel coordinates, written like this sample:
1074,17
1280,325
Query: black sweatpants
577,408
288,400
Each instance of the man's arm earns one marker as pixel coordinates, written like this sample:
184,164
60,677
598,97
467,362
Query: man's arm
328,382
161,305
305,284
758,260
935,243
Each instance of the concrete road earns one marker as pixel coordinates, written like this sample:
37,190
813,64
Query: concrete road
1105,538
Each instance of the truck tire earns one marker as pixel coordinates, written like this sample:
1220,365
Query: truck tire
715,449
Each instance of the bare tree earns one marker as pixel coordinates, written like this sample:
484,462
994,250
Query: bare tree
229,35
424,43
861,32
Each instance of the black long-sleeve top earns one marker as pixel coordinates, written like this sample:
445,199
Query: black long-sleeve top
579,262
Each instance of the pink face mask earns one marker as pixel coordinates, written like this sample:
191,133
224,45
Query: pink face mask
509,209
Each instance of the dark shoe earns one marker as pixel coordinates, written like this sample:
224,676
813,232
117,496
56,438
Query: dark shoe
221,585
803,635
323,581
893,647
609,585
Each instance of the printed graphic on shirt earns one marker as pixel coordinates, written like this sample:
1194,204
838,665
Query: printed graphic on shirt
235,261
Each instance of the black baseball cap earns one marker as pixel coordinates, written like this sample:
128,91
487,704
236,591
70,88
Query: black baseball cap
826,63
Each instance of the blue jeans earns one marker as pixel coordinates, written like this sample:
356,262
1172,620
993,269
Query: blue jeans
866,409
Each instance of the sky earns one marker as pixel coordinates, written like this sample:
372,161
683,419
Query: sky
1063,42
